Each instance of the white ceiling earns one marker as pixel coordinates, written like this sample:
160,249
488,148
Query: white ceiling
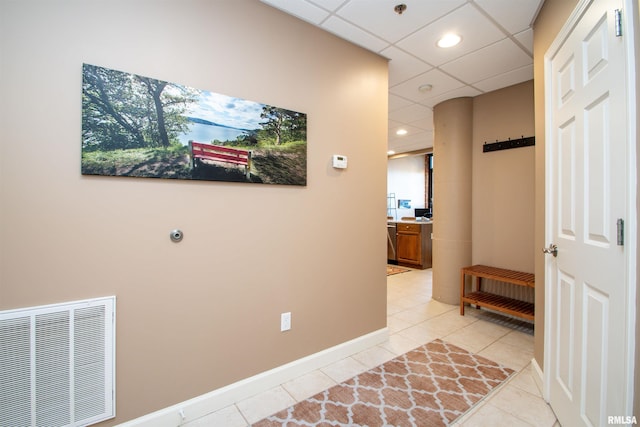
496,50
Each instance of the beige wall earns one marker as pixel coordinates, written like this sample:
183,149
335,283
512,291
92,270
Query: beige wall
193,316
492,221
552,16
503,181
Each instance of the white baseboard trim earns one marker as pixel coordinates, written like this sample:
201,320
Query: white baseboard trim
205,404
538,376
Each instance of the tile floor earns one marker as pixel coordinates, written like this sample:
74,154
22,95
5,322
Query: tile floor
414,319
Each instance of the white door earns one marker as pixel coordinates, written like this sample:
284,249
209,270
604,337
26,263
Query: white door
589,317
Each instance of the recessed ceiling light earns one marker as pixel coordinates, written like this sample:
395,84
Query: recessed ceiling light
401,132
391,152
425,88
449,40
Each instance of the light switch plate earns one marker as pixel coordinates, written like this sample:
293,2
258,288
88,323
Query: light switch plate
285,321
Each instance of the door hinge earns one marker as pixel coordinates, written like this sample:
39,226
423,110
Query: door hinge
620,225
618,18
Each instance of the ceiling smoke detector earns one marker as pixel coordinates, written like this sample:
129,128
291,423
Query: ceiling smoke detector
399,8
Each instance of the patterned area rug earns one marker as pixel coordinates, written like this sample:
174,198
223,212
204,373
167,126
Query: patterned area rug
394,269
432,385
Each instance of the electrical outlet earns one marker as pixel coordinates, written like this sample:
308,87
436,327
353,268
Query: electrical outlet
285,321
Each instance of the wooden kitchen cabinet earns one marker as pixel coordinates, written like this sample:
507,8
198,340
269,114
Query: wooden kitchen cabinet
413,242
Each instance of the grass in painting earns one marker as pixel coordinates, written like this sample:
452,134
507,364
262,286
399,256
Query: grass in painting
173,162
285,164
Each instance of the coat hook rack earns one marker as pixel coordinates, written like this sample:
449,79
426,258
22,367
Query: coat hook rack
510,143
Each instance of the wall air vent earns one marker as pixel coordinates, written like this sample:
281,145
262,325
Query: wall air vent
57,364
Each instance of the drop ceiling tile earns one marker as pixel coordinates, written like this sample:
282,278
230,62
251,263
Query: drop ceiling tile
417,142
414,128
350,32
381,19
492,60
440,81
396,102
424,123
420,142
474,28
526,38
403,66
301,9
411,131
456,93
518,16
327,4
410,113
397,141
392,124
507,79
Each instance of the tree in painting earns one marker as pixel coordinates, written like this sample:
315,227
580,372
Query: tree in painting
123,110
283,124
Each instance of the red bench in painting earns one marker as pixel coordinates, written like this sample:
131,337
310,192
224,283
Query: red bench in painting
218,153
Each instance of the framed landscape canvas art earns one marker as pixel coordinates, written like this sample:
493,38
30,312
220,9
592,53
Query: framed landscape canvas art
137,126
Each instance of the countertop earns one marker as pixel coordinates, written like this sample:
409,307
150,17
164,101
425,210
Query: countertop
409,221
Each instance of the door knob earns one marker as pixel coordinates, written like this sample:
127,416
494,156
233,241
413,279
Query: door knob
552,249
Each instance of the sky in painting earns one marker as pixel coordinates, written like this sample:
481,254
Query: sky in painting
227,111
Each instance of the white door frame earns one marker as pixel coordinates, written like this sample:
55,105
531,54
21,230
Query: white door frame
631,32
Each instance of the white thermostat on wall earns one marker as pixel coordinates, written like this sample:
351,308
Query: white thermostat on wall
339,161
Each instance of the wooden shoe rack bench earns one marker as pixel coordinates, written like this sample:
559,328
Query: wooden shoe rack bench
492,301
